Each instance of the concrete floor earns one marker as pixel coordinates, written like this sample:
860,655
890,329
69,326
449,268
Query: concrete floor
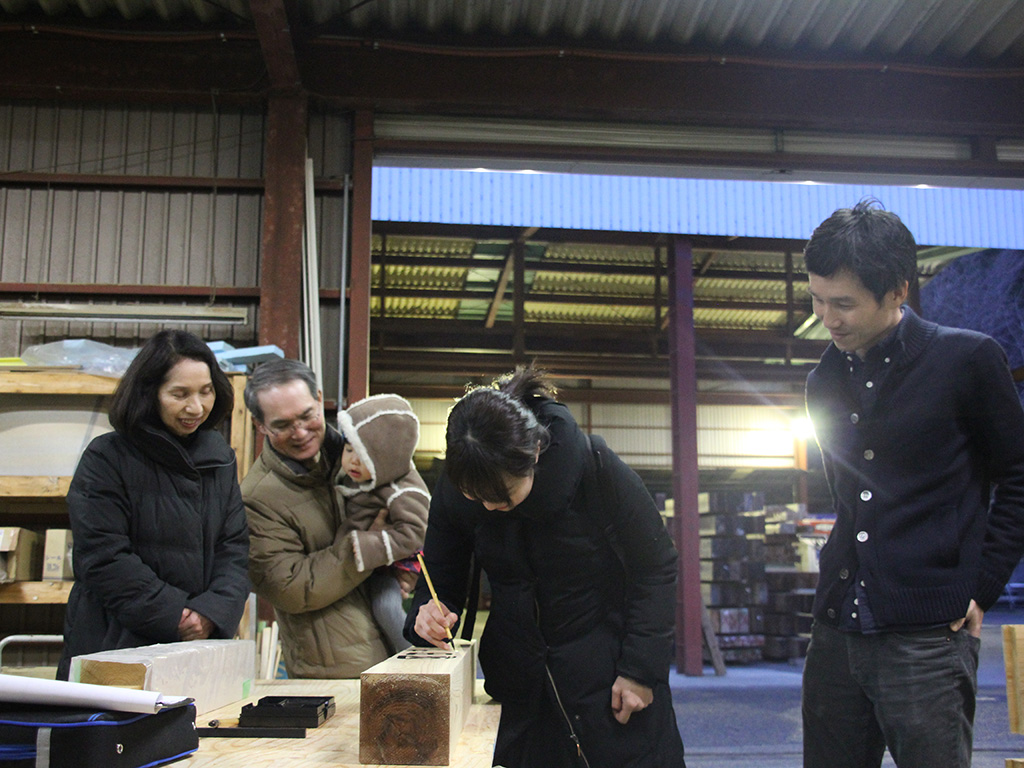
751,716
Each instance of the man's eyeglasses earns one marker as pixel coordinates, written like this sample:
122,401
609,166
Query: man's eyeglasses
307,421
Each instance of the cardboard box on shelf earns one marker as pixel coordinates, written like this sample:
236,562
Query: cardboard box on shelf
21,555
57,555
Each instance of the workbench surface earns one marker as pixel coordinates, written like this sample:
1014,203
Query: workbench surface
335,744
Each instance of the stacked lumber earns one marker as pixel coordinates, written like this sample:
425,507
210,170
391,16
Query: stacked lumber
781,543
788,619
733,572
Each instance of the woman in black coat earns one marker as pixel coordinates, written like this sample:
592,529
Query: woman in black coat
578,642
161,542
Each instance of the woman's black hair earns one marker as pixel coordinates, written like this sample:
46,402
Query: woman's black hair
135,399
494,434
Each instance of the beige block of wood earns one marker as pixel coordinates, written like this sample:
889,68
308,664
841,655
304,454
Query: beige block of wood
120,674
213,672
1014,762
412,707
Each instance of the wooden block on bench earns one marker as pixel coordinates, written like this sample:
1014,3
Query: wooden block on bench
1013,657
412,706
213,672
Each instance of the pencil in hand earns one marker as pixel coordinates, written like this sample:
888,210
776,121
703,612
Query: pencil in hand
433,594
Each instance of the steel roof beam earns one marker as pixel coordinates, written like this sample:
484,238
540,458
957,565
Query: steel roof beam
591,268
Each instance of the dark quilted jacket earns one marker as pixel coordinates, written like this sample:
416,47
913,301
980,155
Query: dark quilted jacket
560,595
158,526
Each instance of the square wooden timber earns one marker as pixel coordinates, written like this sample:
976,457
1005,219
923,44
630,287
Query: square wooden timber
212,672
1013,657
412,707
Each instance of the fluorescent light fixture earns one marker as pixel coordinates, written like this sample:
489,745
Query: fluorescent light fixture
502,170
124,313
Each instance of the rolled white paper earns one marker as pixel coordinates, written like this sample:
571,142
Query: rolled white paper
31,690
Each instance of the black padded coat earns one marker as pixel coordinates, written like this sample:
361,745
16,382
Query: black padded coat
585,590
158,526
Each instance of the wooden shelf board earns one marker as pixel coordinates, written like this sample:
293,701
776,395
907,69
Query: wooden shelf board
26,487
56,383
35,592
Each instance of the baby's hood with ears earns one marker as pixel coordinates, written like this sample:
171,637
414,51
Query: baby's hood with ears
383,430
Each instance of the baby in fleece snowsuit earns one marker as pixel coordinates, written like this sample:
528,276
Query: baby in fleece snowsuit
381,433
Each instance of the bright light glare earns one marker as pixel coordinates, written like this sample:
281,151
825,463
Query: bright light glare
495,170
802,428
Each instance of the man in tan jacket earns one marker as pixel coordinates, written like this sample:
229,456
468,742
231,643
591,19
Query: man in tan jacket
299,556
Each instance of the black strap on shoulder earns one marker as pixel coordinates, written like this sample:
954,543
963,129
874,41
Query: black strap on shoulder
472,600
606,516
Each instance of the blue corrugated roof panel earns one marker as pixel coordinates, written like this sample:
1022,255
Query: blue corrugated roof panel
966,217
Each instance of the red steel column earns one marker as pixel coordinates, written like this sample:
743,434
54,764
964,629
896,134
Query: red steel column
283,218
683,365
361,272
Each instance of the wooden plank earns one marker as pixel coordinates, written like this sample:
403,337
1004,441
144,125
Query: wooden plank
1009,659
25,486
56,382
711,641
241,425
1013,656
35,592
413,706
22,368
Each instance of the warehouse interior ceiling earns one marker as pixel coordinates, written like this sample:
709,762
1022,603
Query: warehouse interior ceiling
593,310
942,70
896,90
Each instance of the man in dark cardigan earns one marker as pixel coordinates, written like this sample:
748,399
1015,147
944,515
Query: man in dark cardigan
922,436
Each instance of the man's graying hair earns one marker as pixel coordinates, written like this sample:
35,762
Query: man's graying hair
867,241
276,373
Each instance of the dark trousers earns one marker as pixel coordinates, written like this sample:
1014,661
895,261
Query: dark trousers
913,692
386,604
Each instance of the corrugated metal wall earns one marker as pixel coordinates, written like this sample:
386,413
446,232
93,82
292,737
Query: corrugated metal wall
128,235
727,436
124,234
